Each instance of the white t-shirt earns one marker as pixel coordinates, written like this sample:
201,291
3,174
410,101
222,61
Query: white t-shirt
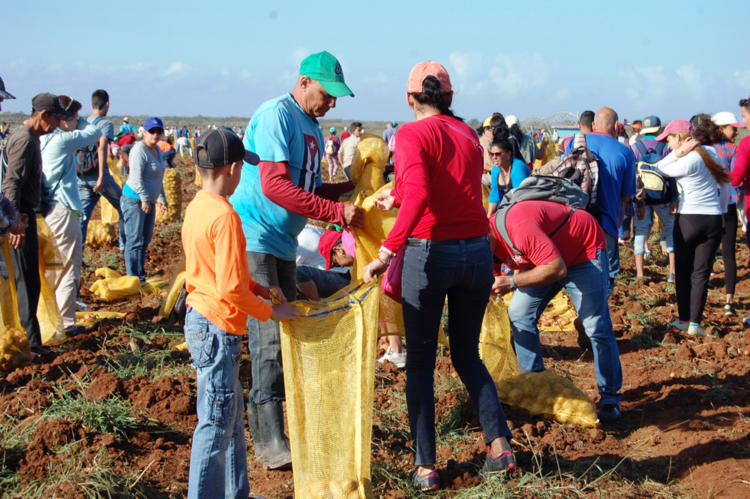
698,190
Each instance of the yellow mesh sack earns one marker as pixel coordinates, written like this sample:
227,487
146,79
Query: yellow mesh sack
173,193
368,164
113,286
178,281
329,376
548,394
495,342
115,168
14,348
99,233
558,315
8,297
51,268
109,212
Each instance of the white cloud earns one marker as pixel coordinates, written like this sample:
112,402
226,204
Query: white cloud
692,79
176,69
742,78
507,74
644,83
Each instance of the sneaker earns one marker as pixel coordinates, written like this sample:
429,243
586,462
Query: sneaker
74,331
80,305
678,324
671,278
425,483
397,359
609,413
729,309
695,330
505,462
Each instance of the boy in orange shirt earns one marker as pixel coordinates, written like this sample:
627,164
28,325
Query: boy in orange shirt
221,295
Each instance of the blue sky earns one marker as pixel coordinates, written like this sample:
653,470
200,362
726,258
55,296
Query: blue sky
224,58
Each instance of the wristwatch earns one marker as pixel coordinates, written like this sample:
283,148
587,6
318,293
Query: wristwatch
512,284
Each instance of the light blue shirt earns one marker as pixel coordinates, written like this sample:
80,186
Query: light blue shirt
145,180
279,131
518,171
58,165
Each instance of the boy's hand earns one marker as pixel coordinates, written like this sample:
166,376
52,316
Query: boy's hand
269,293
284,312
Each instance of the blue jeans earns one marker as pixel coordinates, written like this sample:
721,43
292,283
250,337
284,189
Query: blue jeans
111,192
462,271
139,228
263,337
642,227
218,458
613,260
587,285
326,281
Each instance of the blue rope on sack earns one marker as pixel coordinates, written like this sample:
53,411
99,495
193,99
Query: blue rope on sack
352,301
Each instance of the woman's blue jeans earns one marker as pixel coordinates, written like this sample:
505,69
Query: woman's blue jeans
460,270
139,228
218,458
588,286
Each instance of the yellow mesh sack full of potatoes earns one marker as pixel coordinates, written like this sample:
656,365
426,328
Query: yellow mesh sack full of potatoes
329,378
100,233
173,193
14,348
8,296
548,394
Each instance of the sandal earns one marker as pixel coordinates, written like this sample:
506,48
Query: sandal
503,463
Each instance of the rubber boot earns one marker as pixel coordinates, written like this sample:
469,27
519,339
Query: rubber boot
252,419
271,419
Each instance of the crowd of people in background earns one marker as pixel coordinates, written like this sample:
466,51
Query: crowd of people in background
246,236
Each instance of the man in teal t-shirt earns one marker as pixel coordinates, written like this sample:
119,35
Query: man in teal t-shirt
274,200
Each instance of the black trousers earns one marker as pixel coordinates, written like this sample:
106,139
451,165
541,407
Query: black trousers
696,239
728,243
28,284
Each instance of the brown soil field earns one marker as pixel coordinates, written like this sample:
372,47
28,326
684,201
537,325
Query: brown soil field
111,412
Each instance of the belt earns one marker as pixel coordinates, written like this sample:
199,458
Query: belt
426,243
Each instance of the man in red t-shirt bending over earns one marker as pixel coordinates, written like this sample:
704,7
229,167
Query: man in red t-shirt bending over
557,248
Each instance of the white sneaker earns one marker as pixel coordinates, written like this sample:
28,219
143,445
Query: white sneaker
80,305
695,330
397,359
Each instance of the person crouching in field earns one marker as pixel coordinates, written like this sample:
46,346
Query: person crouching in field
221,295
558,248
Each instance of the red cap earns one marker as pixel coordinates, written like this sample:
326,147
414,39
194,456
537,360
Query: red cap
423,70
328,240
675,126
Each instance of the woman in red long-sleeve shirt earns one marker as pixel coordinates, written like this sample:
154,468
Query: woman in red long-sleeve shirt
740,174
443,227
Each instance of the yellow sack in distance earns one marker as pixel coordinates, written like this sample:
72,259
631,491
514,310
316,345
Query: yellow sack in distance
51,268
173,193
109,213
548,394
8,297
114,286
329,377
178,282
98,233
14,348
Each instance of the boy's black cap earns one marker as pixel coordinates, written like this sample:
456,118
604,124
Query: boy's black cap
220,147
51,104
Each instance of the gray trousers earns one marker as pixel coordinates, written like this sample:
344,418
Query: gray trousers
263,337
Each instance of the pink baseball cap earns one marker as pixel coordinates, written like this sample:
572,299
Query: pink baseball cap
423,70
675,126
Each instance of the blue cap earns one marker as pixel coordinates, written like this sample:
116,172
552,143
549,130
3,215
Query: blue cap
332,129
152,123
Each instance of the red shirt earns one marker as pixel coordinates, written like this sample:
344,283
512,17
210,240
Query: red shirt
530,222
438,182
741,171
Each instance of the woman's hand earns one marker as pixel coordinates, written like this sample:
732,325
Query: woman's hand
373,269
145,207
162,208
686,147
385,200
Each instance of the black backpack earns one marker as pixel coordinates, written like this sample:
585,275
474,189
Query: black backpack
657,188
542,188
87,160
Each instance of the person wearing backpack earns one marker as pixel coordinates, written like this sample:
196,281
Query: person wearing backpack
616,180
698,223
655,194
549,246
94,179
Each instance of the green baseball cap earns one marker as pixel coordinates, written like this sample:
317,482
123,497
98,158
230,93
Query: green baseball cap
326,69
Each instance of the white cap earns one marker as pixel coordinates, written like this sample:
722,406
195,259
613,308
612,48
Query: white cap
726,118
511,120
